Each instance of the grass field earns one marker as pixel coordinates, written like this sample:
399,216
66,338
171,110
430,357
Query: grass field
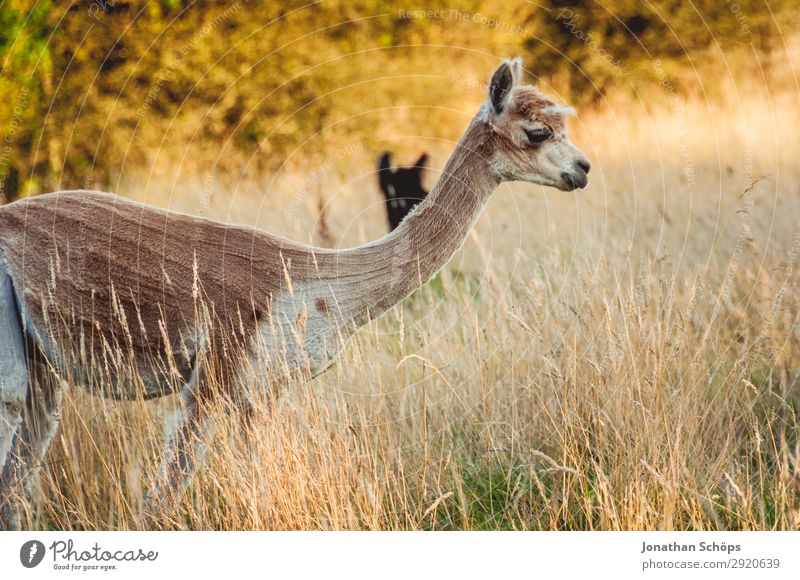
623,358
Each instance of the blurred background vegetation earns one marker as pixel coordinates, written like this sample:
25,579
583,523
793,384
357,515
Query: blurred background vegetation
93,90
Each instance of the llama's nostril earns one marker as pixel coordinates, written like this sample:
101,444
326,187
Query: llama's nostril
577,180
585,165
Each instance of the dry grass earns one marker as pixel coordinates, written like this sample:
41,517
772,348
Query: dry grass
626,358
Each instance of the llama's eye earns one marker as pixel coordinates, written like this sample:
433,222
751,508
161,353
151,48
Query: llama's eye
537,136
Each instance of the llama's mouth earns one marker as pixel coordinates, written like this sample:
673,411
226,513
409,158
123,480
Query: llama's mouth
572,181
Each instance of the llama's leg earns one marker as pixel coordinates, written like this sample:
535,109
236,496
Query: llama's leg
13,380
186,447
42,418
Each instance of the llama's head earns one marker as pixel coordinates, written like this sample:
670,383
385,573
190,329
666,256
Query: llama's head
402,187
403,183
530,134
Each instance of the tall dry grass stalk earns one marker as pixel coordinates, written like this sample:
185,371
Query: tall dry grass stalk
626,358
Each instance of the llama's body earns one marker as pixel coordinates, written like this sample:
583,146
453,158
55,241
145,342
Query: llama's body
401,187
102,278
140,302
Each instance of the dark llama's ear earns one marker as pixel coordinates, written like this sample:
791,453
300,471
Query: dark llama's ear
385,163
386,175
503,80
421,162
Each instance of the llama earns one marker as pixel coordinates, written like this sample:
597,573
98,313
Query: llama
402,187
181,303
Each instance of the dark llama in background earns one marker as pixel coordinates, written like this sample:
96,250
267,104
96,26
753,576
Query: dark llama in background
402,187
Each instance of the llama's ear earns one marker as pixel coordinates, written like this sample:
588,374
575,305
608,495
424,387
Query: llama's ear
516,69
421,162
501,84
385,163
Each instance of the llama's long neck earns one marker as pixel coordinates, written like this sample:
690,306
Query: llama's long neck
397,264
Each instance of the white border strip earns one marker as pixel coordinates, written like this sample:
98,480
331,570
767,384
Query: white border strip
407,555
